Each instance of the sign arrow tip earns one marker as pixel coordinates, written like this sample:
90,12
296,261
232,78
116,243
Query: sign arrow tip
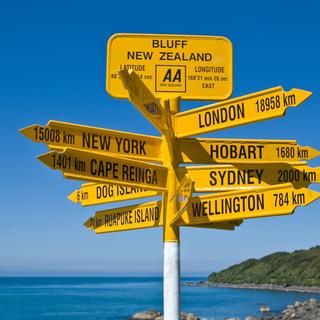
28,131
312,195
46,158
73,196
302,95
124,76
89,223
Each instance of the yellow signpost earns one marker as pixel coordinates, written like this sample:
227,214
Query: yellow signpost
248,175
59,135
235,205
262,105
95,167
92,194
192,67
155,72
215,150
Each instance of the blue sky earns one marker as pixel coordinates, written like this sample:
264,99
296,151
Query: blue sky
52,64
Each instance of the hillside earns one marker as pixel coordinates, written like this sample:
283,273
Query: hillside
299,268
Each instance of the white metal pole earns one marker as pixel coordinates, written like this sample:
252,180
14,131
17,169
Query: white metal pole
171,281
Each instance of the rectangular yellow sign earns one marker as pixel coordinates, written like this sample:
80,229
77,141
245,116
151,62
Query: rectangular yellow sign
212,150
92,194
248,175
253,107
95,167
238,205
193,67
59,135
139,216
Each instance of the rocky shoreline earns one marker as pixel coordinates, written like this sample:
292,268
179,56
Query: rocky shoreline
307,310
300,289
153,314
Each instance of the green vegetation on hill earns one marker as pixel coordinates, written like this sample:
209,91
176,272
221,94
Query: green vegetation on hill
299,268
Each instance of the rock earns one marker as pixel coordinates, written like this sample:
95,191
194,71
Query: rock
150,314
264,309
307,310
298,304
189,316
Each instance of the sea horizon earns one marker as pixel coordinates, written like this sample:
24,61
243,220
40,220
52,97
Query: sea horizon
118,298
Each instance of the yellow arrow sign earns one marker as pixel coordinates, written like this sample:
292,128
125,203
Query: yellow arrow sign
138,216
94,167
253,107
193,67
143,99
93,194
235,205
59,135
243,176
212,150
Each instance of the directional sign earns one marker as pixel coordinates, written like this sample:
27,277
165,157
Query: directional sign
59,135
211,150
243,176
193,67
235,205
254,107
138,216
93,194
95,167
143,99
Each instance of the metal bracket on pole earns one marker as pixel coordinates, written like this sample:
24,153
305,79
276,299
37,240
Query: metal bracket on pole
182,195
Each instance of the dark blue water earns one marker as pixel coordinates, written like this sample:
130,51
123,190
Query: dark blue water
118,298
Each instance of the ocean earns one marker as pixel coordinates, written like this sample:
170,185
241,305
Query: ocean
117,298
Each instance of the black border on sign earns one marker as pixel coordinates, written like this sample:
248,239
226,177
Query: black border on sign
170,65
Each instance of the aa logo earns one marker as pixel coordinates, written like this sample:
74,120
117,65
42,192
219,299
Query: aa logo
170,78
176,77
